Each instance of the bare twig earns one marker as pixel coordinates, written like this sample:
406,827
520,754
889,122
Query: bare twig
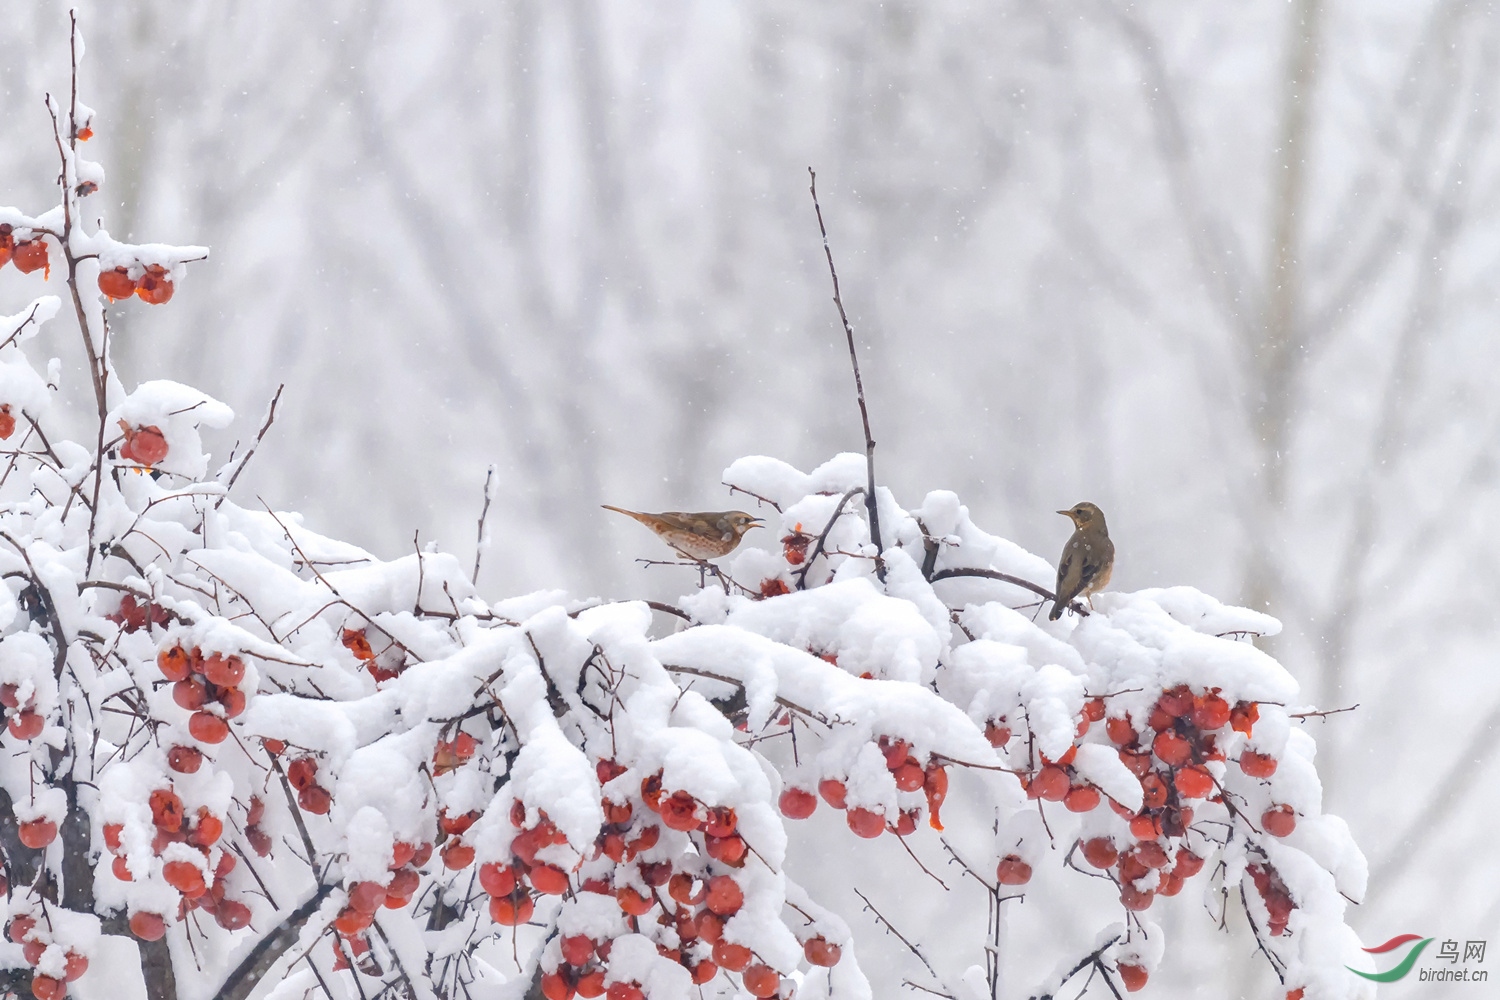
484,513
871,505
1015,581
823,538
1320,715
880,918
260,436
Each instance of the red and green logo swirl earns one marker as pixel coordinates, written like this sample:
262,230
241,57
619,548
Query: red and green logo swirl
1404,966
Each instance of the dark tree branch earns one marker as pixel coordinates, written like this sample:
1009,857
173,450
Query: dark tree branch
871,504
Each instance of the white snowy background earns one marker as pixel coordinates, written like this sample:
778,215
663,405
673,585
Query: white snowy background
573,240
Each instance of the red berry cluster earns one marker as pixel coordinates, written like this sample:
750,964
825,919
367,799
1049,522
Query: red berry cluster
27,255
145,445
201,832
794,546
368,896
259,839
23,720
34,939
132,616
302,773
692,910
202,683
910,776
356,642
1276,896
151,285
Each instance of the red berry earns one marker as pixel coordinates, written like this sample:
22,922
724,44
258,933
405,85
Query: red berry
721,822
1210,712
820,951
510,911
591,984
207,830
1013,871
548,879
761,980
366,897
232,915
577,949
731,957
1151,854
206,727
896,752
47,988
1172,749
26,726
1257,765
1135,899
498,880
38,833
166,810
909,777
29,256
1051,783
1177,702
144,445
865,822
315,799
555,986
117,284
1279,821
680,811
833,793
75,965
1188,864
185,877
185,760
1082,799
154,287
625,991
147,926
730,850
1194,782
725,897
225,671
1133,976
1100,852
997,733
189,694
458,856
1120,731
798,803
633,902
174,663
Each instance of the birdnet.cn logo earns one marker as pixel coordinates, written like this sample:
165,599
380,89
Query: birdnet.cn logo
1461,964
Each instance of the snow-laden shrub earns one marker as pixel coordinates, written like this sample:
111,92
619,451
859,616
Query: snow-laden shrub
264,755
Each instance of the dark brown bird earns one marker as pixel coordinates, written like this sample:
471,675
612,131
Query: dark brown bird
701,535
1087,559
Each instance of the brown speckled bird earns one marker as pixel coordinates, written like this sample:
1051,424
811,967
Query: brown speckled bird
701,535
1087,559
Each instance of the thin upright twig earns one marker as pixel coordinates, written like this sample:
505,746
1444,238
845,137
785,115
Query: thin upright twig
264,426
484,513
871,504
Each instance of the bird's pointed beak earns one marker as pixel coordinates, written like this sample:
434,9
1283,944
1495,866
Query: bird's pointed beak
1066,513
757,521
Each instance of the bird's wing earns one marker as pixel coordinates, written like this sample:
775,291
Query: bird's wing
1082,559
1070,571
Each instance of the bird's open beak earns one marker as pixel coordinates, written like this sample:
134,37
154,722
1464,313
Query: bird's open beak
757,521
